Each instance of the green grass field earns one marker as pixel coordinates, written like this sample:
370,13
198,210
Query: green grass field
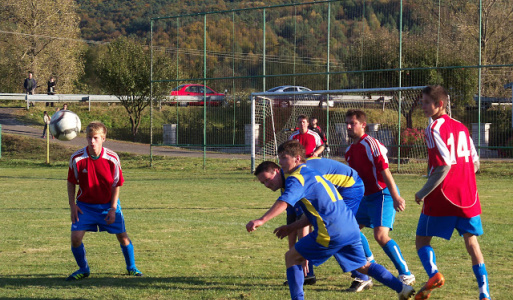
188,229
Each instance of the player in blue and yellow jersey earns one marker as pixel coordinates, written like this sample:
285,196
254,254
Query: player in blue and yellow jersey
351,188
335,230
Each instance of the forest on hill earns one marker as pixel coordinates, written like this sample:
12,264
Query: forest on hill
63,38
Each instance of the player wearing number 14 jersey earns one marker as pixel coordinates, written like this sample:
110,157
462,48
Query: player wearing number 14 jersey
450,194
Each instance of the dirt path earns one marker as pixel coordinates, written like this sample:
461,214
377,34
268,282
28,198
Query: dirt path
11,125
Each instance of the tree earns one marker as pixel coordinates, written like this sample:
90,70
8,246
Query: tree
123,68
39,36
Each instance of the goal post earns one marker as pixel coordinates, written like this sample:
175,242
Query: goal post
394,117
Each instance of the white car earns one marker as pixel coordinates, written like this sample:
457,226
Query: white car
283,99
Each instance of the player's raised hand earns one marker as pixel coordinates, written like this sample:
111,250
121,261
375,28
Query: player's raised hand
282,231
399,204
254,224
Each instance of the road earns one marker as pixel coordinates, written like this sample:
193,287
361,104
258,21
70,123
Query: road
11,125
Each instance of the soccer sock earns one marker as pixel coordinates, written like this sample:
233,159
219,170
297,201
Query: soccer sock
382,275
310,269
395,255
80,257
359,275
366,248
296,279
128,253
428,259
482,280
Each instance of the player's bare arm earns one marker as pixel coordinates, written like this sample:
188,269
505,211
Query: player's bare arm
399,202
74,209
318,151
111,215
285,230
277,208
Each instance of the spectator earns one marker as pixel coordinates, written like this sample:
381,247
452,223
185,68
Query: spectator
51,89
65,106
30,85
46,119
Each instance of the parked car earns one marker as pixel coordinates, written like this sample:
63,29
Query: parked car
296,100
193,94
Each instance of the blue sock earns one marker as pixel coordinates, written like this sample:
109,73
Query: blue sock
359,275
366,248
395,255
128,253
482,280
310,269
382,275
428,259
80,256
296,279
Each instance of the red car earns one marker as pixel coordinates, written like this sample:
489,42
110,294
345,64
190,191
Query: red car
193,94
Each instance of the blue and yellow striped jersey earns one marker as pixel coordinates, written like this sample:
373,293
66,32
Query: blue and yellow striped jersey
344,178
322,204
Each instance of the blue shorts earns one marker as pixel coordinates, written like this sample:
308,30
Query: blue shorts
353,196
93,216
377,210
444,226
349,257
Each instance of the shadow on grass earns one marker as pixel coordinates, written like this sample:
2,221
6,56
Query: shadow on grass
115,280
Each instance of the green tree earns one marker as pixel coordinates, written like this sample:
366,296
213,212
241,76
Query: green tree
39,36
123,68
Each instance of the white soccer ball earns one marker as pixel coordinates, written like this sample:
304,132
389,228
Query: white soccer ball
65,125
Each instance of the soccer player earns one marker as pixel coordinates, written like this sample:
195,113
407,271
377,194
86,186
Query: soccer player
97,172
315,127
350,187
449,197
308,138
335,232
382,199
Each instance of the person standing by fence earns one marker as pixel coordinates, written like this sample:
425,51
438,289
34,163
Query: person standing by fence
46,119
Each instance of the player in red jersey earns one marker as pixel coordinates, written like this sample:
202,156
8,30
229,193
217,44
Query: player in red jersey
449,197
97,172
382,199
308,138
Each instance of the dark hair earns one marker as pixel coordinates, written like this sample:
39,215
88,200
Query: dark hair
302,117
293,148
266,166
437,93
360,115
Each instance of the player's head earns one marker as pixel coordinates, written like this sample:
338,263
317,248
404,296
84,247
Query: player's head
96,133
356,121
313,122
302,123
434,101
291,154
268,173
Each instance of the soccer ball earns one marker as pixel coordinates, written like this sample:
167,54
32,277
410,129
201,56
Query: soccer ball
65,125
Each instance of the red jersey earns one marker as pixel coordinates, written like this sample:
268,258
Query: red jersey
368,157
310,140
95,177
449,144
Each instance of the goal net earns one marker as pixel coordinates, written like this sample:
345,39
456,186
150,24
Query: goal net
394,117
